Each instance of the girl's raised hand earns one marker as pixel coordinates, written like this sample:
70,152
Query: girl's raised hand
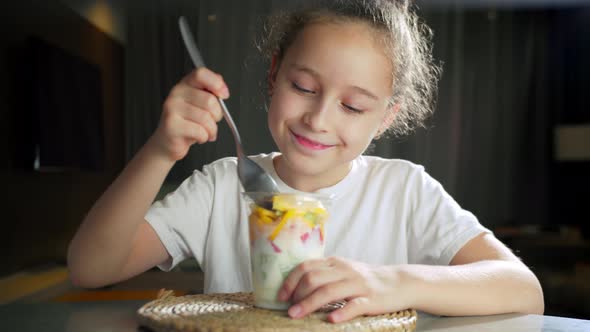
369,290
190,114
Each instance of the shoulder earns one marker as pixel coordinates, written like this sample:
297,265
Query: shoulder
222,164
374,165
220,170
397,175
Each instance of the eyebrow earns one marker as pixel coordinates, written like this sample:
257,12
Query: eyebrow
315,74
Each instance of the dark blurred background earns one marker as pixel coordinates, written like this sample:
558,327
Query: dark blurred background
82,83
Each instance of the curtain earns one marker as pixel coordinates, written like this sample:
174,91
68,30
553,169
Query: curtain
157,60
154,62
488,142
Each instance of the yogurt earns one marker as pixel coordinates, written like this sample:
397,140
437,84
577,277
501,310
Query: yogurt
280,239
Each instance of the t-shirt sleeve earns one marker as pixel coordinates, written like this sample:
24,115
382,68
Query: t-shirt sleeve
181,219
439,227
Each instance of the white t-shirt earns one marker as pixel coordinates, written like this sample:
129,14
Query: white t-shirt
385,211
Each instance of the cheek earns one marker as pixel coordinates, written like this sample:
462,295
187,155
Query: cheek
360,132
273,113
282,108
271,118
277,115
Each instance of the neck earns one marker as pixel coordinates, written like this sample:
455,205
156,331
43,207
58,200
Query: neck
309,182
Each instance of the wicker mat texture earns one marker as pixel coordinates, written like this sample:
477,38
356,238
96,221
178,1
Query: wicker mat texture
235,312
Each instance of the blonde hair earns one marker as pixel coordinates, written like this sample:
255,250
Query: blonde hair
407,43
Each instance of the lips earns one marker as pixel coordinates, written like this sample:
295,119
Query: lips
310,144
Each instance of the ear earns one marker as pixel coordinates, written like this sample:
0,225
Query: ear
272,73
388,119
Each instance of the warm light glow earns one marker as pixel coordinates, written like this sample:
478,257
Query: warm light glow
101,14
572,143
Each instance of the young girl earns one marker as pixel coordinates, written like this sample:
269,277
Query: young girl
341,74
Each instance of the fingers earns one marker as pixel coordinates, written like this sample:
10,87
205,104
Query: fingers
190,101
200,119
190,113
353,308
201,99
292,280
181,119
322,296
195,133
315,283
205,79
313,280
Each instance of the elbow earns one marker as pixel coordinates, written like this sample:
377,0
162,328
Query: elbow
74,274
540,310
538,305
75,279
75,270
79,274
82,279
535,302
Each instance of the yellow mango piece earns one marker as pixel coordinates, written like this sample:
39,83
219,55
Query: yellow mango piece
266,219
264,212
289,214
288,202
283,202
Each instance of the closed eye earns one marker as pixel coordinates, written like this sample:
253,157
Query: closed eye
300,89
352,109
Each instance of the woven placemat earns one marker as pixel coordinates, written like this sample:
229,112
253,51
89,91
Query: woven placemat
236,312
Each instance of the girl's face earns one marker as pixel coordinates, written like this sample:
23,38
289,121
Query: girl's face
329,99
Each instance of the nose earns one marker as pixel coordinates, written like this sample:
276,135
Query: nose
316,118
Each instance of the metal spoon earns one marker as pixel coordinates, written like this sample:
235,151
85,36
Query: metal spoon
253,177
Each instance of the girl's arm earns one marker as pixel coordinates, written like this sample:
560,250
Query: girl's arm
484,278
114,241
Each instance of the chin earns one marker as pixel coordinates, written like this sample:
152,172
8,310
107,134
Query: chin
304,165
324,166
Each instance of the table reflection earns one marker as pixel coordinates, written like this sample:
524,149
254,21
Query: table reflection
507,322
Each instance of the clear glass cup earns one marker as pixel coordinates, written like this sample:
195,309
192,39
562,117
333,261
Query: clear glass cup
285,230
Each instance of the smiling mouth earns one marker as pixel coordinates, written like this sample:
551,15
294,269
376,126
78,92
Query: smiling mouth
309,143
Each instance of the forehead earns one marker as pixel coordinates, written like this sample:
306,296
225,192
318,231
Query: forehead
347,51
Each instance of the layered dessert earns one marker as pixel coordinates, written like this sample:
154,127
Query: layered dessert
282,235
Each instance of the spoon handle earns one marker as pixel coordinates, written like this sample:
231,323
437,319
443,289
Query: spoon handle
193,51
